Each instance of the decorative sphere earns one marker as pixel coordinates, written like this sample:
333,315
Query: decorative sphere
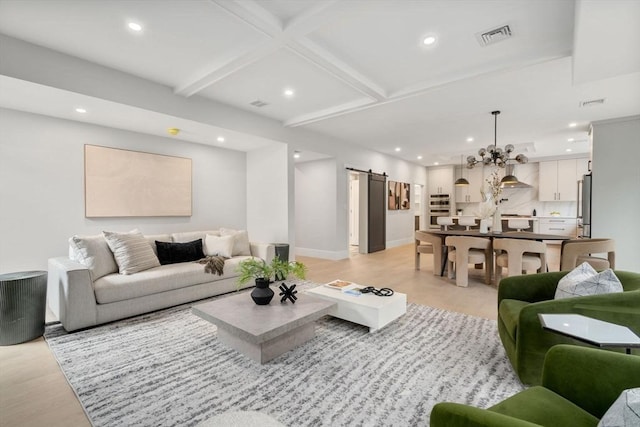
499,151
482,152
509,148
491,148
521,158
471,159
486,160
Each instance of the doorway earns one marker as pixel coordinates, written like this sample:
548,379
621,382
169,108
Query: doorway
354,212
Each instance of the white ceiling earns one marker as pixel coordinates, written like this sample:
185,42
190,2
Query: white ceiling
358,68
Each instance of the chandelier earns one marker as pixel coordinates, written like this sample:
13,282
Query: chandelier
496,155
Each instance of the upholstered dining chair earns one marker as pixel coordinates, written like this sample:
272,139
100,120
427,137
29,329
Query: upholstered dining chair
520,256
466,250
444,222
467,221
575,252
426,243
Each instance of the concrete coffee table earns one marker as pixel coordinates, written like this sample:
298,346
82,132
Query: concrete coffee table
367,309
264,332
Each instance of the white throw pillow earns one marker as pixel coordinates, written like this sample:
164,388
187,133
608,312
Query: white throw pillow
241,245
584,280
219,245
132,251
93,252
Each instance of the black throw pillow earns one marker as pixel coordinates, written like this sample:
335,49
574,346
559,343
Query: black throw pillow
172,253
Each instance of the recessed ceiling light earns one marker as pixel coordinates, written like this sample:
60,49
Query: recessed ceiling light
419,157
429,40
573,124
436,163
134,26
568,150
398,149
470,139
289,92
220,139
81,110
570,139
296,154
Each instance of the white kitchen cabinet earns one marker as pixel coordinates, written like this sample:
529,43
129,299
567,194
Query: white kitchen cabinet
561,226
441,180
557,181
470,193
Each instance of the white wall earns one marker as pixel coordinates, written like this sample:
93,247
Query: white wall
315,209
42,186
616,187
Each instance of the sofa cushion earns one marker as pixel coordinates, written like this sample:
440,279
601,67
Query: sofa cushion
241,245
219,246
543,407
93,252
153,238
172,253
584,280
116,287
509,312
132,251
190,236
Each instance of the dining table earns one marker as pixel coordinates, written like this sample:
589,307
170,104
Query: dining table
527,235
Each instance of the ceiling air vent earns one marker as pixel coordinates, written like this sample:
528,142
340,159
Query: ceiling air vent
592,102
494,36
258,103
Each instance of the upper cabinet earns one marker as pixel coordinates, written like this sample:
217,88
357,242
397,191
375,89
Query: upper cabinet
441,180
470,193
559,179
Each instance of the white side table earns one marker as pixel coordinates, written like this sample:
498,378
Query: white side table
592,331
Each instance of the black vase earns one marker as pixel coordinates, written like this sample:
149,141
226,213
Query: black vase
262,293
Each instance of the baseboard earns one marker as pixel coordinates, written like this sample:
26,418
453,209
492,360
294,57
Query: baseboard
400,242
319,253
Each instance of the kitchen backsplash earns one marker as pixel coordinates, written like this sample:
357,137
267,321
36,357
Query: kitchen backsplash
522,201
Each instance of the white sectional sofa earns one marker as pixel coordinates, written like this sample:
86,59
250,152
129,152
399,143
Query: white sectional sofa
87,290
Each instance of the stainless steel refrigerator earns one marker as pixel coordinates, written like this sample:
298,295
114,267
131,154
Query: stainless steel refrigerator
584,207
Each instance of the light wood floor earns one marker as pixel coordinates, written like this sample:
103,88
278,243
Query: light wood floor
34,392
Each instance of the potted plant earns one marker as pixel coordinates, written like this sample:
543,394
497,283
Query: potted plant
263,273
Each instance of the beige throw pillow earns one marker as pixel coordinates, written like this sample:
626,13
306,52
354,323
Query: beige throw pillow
132,251
241,245
219,246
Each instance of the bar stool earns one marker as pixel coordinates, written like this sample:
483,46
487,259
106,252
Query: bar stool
444,222
467,221
468,250
519,224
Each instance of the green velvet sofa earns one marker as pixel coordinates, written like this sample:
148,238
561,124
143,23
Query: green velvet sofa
521,298
579,384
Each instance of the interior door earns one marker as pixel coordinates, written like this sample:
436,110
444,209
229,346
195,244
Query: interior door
377,218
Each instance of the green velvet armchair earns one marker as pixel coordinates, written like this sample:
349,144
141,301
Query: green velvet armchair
521,298
579,384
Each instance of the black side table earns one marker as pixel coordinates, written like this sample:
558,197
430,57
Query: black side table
23,299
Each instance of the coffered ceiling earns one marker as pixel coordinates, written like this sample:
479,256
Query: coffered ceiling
359,70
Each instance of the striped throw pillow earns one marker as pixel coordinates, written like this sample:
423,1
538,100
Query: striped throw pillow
132,251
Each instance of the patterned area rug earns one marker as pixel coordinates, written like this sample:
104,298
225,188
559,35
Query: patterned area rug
168,369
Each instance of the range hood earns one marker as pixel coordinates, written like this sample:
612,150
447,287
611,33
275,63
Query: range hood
517,184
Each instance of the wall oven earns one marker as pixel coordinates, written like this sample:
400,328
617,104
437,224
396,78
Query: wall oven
439,205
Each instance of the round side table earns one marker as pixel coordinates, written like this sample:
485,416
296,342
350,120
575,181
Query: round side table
23,299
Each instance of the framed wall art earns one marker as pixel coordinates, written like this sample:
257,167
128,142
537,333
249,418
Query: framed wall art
124,183
399,195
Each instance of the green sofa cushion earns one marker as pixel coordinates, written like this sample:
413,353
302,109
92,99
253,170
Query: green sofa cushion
509,312
542,406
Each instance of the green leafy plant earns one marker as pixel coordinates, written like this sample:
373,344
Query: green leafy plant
255,268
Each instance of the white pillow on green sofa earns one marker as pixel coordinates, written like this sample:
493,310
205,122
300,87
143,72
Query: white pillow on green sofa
584,280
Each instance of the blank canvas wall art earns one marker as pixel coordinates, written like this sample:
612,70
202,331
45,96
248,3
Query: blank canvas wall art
124,183
399,196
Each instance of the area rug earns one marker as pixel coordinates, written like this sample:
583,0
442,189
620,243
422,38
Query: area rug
168,369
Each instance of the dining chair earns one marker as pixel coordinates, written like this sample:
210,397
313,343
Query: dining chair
465,250
444,222
424,244
519,224
575,252
519,256
467,221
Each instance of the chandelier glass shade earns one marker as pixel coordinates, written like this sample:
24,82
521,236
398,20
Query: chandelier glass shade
496,155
